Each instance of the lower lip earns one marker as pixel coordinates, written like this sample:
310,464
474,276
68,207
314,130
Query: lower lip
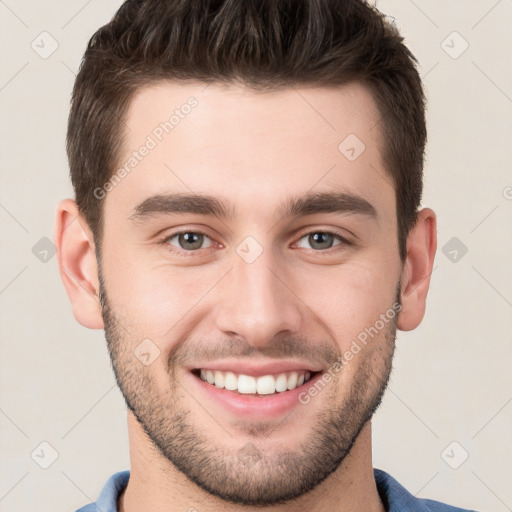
255,407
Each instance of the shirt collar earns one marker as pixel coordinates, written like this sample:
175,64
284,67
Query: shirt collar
393,495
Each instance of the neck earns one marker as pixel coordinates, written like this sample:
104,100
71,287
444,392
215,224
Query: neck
156,484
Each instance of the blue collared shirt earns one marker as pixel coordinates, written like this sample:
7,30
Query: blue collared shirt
395,497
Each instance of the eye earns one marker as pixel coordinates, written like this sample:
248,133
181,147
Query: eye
321,240
188,240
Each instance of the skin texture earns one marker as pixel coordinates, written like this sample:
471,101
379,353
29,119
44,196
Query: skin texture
297,299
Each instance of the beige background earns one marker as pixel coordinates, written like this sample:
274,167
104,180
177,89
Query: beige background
452,379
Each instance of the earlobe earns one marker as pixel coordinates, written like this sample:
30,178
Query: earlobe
77,264
415,278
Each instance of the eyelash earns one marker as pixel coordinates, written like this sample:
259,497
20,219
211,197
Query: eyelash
184,253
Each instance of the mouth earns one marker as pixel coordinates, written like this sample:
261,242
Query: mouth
253,390
252,385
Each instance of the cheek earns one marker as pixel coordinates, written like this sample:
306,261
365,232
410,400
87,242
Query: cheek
348,298
157,299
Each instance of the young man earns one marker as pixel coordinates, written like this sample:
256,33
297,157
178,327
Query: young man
248,178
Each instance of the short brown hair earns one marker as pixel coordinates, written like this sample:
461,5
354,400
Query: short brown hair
264,44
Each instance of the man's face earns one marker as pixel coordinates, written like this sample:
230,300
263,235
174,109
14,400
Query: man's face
259,298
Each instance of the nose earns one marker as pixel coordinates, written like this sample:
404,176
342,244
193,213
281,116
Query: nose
257,302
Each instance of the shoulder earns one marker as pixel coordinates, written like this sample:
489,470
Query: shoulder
397,498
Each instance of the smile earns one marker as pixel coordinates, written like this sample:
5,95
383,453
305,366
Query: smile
252,385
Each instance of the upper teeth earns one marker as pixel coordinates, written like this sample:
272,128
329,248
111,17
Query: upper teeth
264,385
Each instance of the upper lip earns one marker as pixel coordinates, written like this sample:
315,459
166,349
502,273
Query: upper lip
257,369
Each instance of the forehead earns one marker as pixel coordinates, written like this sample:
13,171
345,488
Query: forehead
252,147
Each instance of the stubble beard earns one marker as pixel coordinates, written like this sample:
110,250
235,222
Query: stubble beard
247,475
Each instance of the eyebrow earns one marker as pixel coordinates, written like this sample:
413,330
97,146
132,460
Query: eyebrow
308,204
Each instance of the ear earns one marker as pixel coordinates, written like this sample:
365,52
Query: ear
77,264
416,271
